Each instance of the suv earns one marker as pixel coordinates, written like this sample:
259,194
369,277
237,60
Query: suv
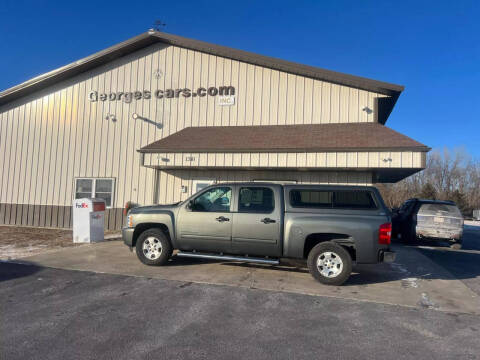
329,226
418,218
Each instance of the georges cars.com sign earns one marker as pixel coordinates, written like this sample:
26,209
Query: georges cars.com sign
226,94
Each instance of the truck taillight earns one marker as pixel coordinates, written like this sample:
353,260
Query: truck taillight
385,234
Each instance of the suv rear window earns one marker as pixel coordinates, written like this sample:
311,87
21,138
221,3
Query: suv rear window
451,210
338,199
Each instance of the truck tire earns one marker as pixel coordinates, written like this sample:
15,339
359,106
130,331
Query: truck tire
153,247
329,263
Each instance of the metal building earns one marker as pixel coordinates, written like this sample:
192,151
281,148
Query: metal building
155,118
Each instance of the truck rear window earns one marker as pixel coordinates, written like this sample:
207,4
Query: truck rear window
338,199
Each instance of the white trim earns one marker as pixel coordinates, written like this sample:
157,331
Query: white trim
94,183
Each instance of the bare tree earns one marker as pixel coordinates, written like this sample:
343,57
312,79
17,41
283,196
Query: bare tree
449,175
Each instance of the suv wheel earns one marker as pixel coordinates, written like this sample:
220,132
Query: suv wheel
329,263
153,247
456,245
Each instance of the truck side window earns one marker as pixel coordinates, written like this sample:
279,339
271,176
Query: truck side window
311,198
214,200
256,200
353,200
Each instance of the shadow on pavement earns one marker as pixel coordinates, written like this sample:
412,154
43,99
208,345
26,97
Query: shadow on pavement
9,271
409,266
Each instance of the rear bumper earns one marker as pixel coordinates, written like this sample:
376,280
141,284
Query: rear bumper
439,233
127,236
387,256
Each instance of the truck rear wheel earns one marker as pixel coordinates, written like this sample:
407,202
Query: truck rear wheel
153,247
329,263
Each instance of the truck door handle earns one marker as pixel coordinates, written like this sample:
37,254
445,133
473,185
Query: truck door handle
267,221
222,219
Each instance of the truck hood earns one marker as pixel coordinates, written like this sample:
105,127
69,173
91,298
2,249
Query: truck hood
153,208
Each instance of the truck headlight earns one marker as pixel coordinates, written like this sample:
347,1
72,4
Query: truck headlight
129,221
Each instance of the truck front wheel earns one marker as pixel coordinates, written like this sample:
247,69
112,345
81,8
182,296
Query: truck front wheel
329,263
153,247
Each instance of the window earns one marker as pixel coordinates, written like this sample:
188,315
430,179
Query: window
256,200
354,200
84,188
339,199
311,198
95,188
214,200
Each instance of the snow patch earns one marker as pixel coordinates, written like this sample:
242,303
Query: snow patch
9,252
426,302
410,282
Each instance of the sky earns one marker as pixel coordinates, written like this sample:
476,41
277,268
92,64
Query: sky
430,47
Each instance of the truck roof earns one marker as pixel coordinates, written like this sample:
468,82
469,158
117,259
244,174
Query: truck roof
430,201
289,184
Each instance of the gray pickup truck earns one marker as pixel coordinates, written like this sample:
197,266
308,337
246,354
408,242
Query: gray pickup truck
329,226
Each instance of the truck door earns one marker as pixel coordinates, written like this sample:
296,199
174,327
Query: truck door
205,224
257,223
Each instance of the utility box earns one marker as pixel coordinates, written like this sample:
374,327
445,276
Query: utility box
88,220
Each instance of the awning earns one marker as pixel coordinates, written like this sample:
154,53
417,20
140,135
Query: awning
285,138
371,147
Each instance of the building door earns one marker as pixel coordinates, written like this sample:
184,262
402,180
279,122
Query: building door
205,223
199,184
257,222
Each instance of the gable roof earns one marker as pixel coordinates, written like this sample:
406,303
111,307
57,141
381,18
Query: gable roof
152,37
286,138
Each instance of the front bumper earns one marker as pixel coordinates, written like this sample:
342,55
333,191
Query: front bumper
387,256
127,236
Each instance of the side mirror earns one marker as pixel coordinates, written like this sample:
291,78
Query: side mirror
190,205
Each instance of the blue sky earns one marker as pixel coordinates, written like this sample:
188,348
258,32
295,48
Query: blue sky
430,47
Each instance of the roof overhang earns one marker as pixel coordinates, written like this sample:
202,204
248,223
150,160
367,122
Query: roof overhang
286,138
152,37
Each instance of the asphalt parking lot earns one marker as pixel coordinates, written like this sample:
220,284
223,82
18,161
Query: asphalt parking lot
425,305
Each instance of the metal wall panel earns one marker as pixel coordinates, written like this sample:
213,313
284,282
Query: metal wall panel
339,160
49,138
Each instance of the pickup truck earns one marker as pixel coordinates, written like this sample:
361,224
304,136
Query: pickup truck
331,227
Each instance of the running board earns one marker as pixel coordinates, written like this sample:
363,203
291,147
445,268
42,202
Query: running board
228,257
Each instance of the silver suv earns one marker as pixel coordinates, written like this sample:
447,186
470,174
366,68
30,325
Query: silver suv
433,219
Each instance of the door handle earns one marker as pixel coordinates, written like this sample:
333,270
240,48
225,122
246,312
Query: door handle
222,219
267,221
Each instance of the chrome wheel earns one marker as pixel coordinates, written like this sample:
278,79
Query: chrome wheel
152,248
329,264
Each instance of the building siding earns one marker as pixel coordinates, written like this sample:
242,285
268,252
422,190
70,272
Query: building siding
303,160
56,135
49,139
